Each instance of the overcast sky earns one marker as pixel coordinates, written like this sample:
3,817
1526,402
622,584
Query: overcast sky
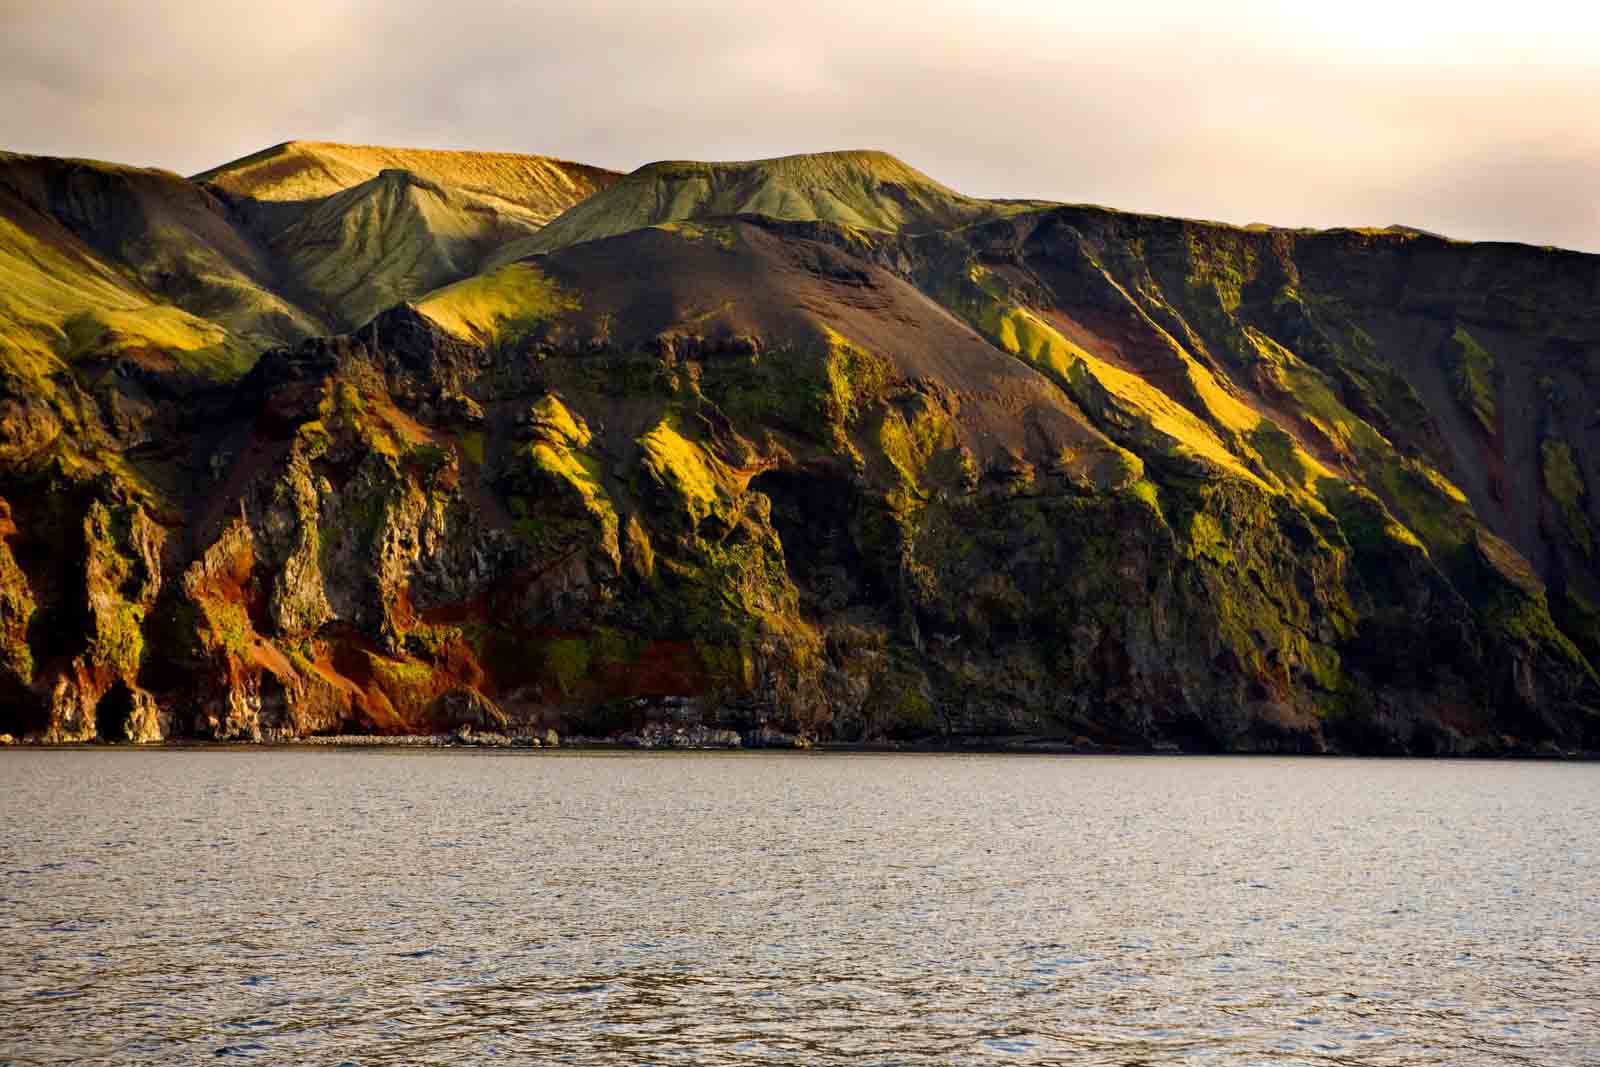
1477,120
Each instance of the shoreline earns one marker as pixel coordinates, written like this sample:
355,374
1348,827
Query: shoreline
579,745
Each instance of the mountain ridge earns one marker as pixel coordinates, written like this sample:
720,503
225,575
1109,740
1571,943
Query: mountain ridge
808,447
866,188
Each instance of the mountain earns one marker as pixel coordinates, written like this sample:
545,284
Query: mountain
865,190
354,229
805,448
99,258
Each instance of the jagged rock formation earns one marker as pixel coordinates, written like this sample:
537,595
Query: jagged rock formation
808,448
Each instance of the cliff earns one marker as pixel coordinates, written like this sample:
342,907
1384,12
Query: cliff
813,446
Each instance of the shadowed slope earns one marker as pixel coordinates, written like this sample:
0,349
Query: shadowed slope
355,229
793,296
388,240
61,299
172,240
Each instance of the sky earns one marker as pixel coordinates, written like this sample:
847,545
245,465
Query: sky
1471,119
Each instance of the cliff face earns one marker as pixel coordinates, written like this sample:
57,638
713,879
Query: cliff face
1029,472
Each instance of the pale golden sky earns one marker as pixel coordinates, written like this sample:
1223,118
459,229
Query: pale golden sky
1477,120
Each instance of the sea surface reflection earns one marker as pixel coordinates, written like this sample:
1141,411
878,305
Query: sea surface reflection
438,907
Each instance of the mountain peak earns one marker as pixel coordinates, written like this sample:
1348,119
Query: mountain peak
867,189
313,170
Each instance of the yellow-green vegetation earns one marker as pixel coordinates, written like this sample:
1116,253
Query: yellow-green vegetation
115,577
555,460
1270,602
536,187
817,389
1220,260
552,420
1434,510
808,497
1433,507
1472,371
862,190
721,236
228,622
400,675
732,591
1565,484
1514,602
637,550
1206,538
1365,520
697,480
343,409
1285,458
166,240
855,378
383,243
987,304
580,475
566,660
727,666
1128,402
17,607
910,434
59,304
1122,401
498,308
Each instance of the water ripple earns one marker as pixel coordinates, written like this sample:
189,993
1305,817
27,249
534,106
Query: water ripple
416,907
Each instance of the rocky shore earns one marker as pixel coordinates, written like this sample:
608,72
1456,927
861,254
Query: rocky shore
703,739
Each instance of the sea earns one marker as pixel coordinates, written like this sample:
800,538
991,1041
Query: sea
389,906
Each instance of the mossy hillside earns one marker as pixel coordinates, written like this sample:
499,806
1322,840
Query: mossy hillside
564,475
707,564
1231,267
501,307
718,561
863,190
1514,608
1566,487
1472,378
1422,497
1277,585
1435,511
1129,409
553,421
811,389
812,542
390,240
59,305
1108,589
1424,506
535,187
554,487
699,484
167,241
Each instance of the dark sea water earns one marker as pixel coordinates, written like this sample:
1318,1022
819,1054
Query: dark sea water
438,907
